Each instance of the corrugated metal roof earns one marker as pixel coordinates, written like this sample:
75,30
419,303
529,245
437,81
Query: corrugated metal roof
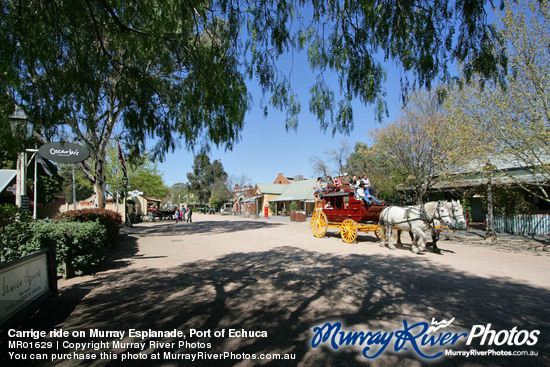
6,176
298,190
508,169
498,179
503,162
270,188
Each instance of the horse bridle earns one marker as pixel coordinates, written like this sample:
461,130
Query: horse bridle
437,210
453,209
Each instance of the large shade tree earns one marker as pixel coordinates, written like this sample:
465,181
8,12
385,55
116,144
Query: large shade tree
174,70
511,124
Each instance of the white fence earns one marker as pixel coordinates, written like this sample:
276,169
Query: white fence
530,224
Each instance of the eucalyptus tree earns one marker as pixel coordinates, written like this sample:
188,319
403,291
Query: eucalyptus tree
173,72
205,174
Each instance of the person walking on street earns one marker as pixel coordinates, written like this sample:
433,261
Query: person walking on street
182,215
189,214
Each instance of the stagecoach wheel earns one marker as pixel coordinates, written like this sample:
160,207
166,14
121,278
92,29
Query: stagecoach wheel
348,230
319,224
378,232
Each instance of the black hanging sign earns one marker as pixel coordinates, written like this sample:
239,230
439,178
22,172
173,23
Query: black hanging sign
62,152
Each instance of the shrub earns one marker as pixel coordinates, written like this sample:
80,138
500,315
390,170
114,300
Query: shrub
84,244
273,207
111,220
15,232
81,237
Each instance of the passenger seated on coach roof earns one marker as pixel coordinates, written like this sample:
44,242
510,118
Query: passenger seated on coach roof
329,181
354,184
319,185
345,178
368,188
360,194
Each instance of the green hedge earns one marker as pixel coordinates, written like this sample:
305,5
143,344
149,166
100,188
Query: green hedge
86,243
112,221
83,236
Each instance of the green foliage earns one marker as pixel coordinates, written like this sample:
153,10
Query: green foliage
373,162
85,235
165,69
143,175
293,205
49,187
147,178
174,72
173,68
11,213
109,219
219,194
86,242
203,177
15,233
506,200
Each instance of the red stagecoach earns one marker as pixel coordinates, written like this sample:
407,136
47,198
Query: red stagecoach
337,207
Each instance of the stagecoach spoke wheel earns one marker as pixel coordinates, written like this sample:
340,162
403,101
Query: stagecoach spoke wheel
348,230
319,224
378,232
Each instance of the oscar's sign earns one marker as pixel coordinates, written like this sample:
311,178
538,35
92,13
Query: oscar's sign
62,152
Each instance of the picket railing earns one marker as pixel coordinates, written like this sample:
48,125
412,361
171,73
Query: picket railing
529,224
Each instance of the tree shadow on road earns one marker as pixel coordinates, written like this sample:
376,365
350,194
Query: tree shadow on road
205,227
287,291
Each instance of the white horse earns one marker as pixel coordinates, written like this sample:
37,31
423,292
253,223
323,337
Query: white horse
455,211
417,220
457,214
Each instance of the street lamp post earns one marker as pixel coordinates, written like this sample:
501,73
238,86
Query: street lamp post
18,122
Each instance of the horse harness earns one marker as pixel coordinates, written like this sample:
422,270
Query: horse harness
422,216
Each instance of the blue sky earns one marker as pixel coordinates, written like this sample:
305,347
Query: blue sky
266,148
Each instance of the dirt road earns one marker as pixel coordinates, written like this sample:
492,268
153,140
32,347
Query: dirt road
275,279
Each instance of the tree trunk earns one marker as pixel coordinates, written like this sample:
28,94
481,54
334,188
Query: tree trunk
490,233
100,181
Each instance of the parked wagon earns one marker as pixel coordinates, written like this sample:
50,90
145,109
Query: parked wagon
338,208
